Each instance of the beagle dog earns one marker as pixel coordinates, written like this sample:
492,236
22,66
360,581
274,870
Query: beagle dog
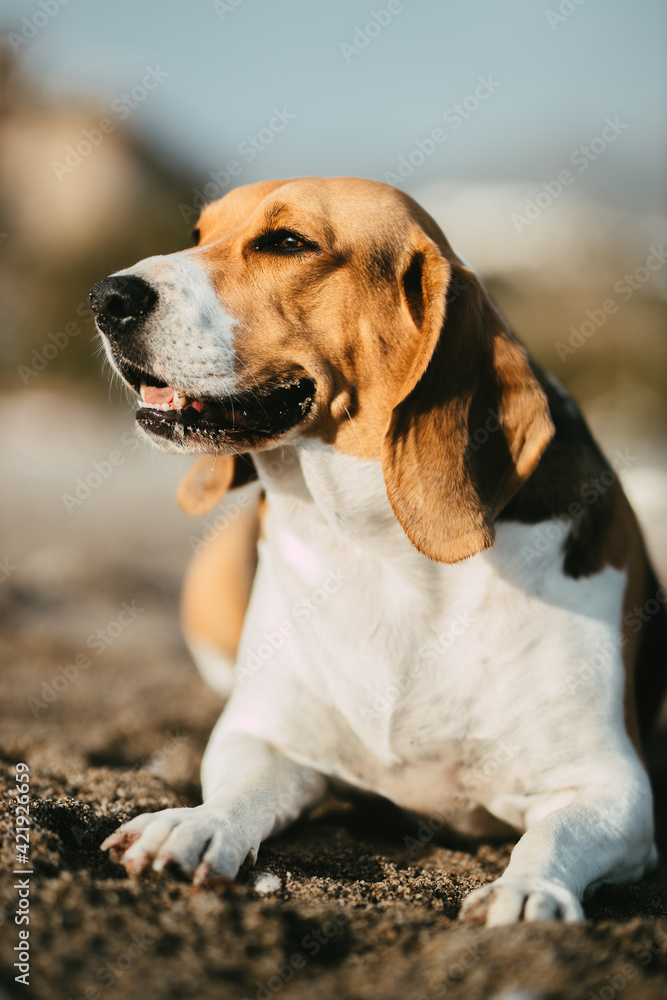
447,603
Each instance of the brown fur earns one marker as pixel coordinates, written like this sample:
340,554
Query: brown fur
217,585
429,458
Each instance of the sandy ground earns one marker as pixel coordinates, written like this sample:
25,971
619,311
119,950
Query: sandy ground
356,909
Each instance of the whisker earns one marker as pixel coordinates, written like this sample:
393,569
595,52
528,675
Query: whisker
355,432
250,391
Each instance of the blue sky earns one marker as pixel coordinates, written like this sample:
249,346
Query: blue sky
555,78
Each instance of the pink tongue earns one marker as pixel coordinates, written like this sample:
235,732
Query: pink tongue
155,396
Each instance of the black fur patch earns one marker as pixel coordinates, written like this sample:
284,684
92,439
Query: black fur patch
567,484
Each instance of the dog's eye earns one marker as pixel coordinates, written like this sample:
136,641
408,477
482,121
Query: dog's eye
291,242
195,236
283,241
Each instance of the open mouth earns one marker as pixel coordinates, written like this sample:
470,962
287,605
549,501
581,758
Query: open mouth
245,420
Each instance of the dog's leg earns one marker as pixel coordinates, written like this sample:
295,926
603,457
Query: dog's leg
250,791
605,834
216,592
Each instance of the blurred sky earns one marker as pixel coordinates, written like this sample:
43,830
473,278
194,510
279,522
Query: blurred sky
557,77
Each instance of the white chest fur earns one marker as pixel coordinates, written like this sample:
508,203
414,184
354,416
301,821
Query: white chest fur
422,682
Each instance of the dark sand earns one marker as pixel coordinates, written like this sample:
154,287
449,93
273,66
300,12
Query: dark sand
357,914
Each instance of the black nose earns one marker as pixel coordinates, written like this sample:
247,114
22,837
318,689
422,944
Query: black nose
121,302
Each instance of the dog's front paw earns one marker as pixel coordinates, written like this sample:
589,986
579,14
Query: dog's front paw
201,841
511,900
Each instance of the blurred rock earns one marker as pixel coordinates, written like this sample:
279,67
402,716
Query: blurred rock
76,203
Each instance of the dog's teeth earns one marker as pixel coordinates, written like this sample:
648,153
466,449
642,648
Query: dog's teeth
142,390
180,400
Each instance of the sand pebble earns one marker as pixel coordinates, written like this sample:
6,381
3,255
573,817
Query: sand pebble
267,882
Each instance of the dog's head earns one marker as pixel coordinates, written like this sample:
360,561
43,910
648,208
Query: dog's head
335,309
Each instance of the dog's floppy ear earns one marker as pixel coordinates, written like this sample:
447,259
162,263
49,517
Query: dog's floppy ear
471,420
210,478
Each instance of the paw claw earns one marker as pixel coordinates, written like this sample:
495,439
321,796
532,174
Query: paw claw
512,901
118,843
206,878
